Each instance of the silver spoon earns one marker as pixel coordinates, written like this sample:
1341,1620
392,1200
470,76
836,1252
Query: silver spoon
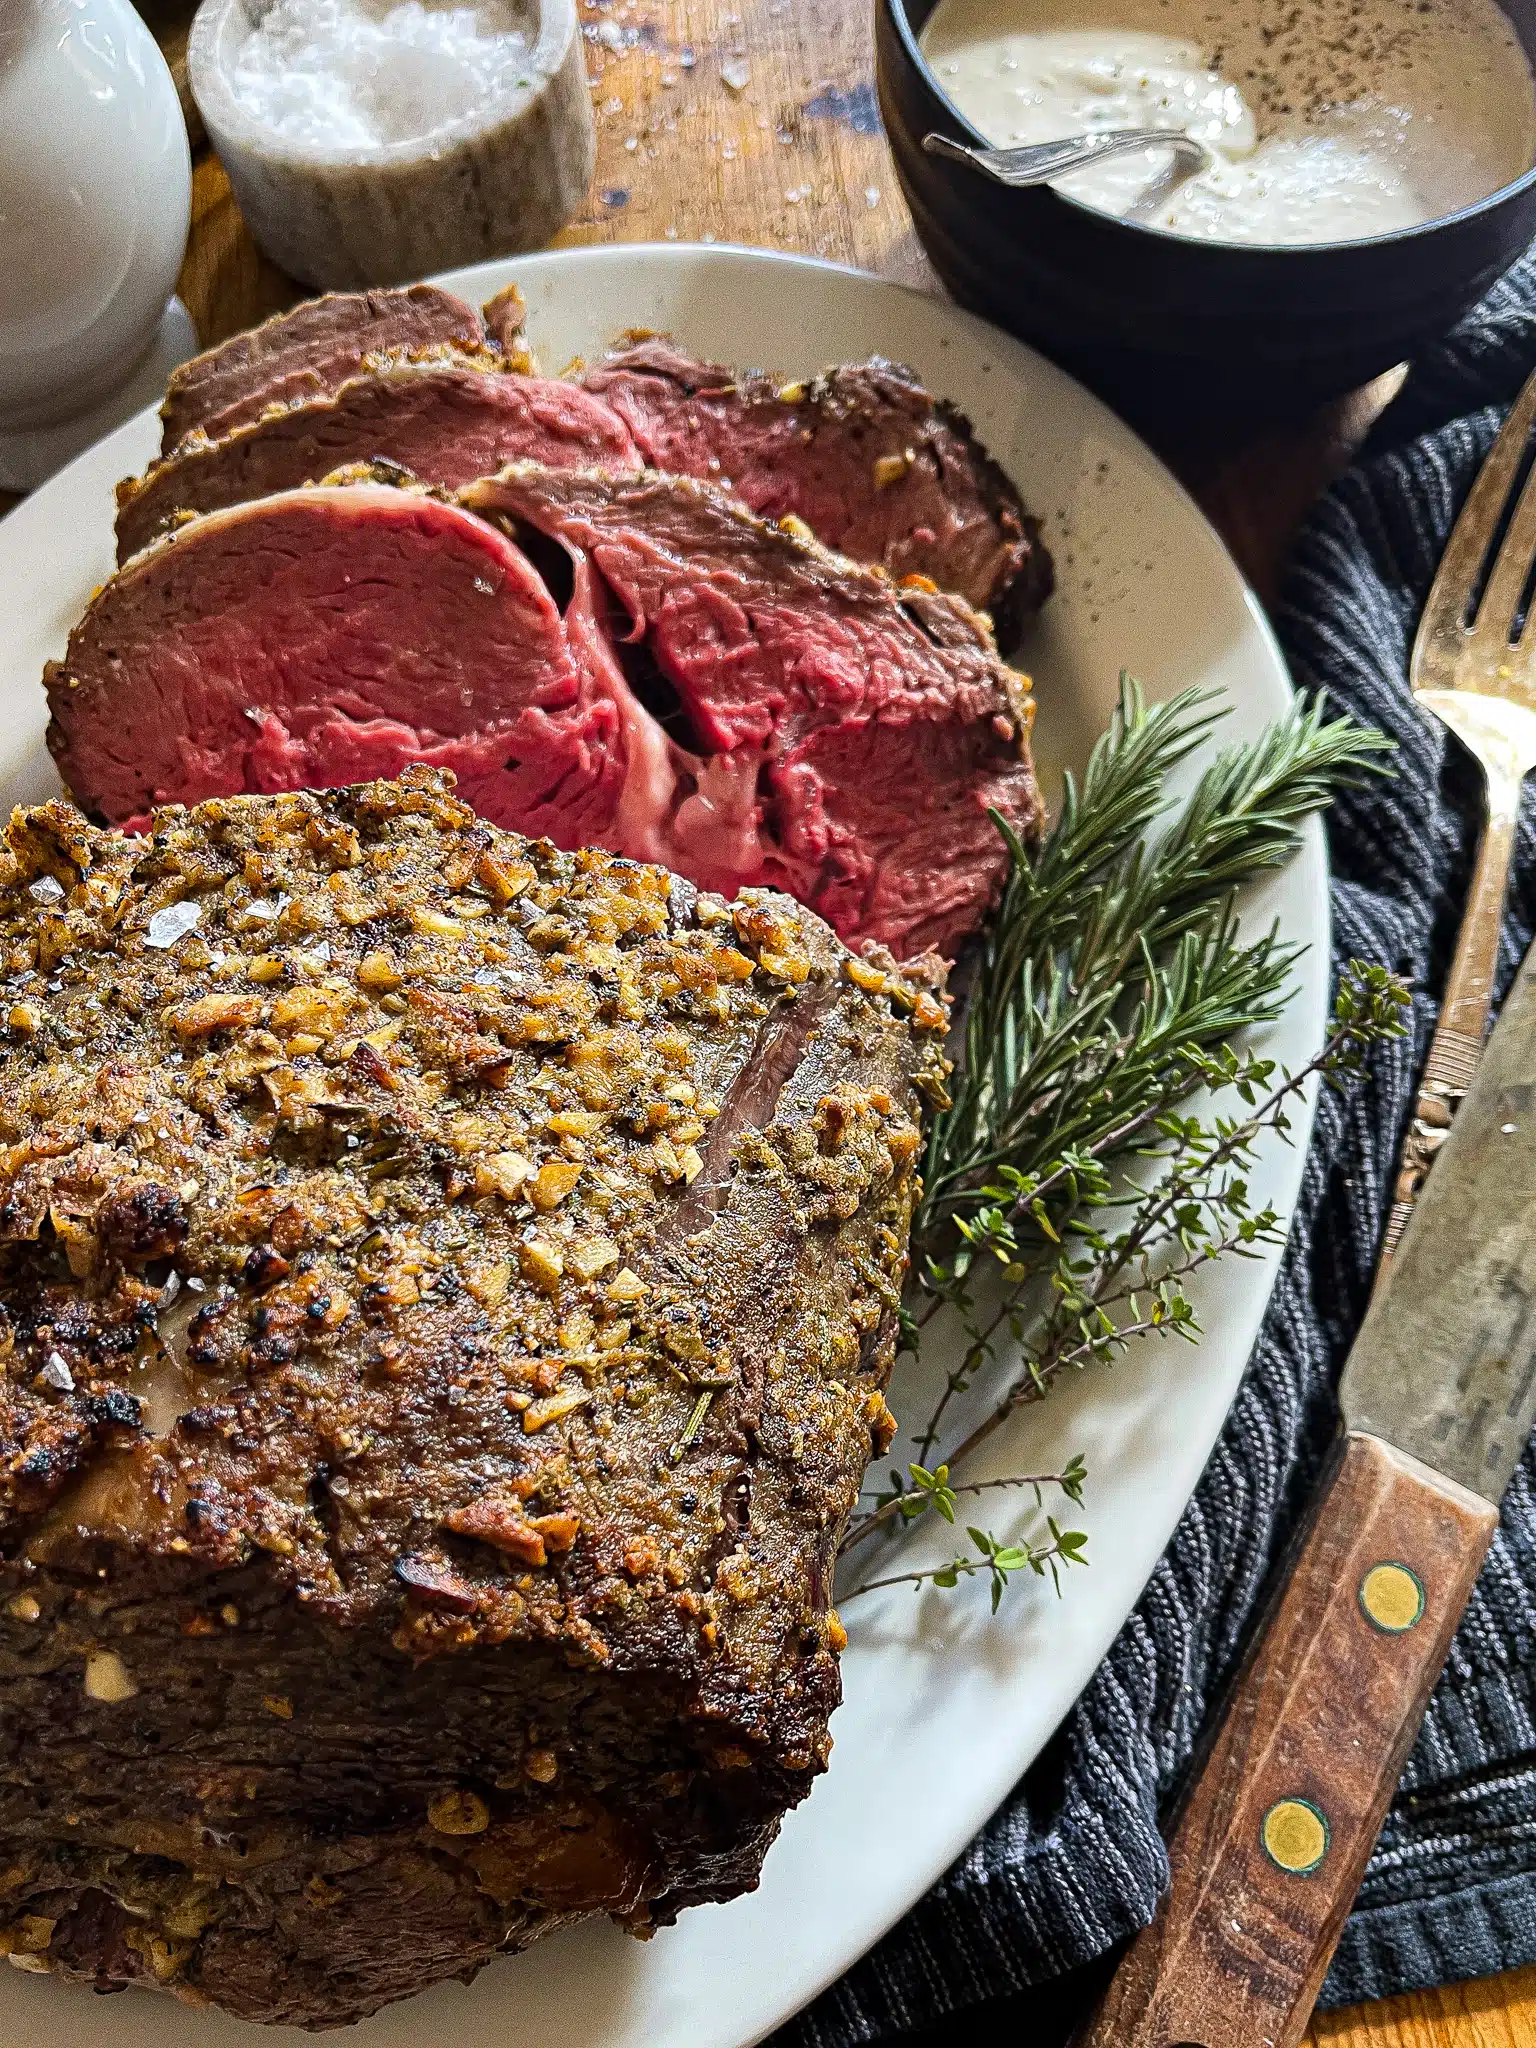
1040,162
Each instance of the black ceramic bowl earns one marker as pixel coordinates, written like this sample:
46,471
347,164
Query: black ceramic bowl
1156,321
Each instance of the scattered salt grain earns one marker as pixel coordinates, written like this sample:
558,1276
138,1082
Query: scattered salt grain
737,74
610,34
360,74
172,923
687,59
58,1374
871,195
46,889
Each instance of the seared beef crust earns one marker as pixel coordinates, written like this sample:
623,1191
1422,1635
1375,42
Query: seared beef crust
448,1286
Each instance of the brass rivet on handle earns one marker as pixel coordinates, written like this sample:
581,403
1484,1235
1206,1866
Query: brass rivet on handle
1295,1836
1392,1598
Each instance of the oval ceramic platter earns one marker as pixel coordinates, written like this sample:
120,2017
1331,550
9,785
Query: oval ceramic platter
944,1706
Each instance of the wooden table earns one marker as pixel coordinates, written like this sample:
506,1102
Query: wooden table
794,159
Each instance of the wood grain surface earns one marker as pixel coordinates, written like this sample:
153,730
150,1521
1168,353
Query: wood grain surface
792,158
1497,2012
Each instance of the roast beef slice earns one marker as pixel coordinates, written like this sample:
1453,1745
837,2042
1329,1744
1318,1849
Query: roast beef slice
869,459
320,344
444,422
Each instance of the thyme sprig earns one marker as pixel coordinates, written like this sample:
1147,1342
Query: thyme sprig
936,1493
998,1560
1071,1190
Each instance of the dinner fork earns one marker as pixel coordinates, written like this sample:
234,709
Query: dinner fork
1474,668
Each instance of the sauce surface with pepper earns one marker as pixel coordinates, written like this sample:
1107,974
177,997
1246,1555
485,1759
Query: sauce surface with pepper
1328,120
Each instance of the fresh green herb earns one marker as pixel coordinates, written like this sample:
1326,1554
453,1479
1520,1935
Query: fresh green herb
998,1560
935,1492
1114,963
1071,1192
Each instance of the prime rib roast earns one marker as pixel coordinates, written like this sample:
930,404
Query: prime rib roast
447,1286
864,455
632,662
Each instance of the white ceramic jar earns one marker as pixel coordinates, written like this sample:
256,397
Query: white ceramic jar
95,201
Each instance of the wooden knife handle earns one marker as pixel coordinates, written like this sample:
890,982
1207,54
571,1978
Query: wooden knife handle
1277,1826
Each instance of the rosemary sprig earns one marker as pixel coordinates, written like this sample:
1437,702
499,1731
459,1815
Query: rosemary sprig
1114,961
1114,983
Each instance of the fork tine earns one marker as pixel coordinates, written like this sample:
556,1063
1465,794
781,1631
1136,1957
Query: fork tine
1495,615
1457,575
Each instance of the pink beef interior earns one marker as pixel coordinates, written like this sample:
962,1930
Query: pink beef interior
829,737
328,637
674,680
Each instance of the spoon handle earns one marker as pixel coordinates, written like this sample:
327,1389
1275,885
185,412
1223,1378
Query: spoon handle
1041,161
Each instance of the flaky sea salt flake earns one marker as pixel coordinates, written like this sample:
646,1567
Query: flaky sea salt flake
172,923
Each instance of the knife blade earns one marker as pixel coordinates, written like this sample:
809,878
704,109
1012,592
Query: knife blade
1284,1804
1444,1366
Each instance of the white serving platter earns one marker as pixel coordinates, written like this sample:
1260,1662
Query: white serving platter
944,1707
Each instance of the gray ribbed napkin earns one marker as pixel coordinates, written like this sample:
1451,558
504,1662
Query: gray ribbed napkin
1074,1863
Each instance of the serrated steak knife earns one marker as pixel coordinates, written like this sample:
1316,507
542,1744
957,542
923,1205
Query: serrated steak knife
1438,1398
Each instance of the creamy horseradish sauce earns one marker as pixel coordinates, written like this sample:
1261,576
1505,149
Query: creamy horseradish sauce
1329,119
